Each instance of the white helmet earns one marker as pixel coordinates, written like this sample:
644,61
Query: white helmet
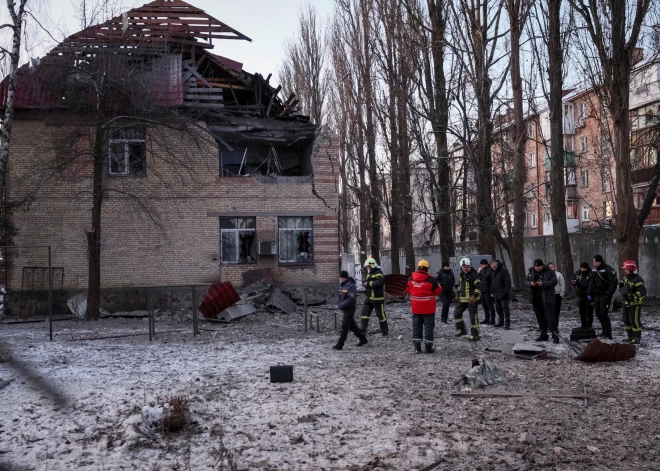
465,262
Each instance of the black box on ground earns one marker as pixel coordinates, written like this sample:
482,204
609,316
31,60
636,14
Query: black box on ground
281,374
582,334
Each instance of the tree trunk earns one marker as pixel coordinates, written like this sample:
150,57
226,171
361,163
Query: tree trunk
517,253
558,190
17,27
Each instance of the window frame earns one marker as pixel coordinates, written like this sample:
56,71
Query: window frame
531,160
583,145
279,241
582,110
237,231
606,181
585,207
111,140
534,221
584,178
531,130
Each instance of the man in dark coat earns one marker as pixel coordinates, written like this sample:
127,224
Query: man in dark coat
347,302
542,281
581,282
485,275
500,289
447,281
602,285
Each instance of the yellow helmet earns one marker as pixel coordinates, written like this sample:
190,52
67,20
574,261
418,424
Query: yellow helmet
423,264
370,262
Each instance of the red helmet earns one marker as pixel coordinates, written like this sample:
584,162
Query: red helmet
629,265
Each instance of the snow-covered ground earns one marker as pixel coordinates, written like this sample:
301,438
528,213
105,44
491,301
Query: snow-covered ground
368,408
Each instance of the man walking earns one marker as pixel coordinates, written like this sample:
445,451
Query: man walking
542,281
633,291
467,298
586,307
423,289
485,276
500,289
602,286
560,289
347,302
447,281
375,290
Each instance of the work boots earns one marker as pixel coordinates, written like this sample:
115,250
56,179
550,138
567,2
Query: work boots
507,324
428,348
542,338
492,321
363,341
418,347
338,346
555,338
460,333
500,321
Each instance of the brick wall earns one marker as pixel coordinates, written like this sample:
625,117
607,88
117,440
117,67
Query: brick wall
162,229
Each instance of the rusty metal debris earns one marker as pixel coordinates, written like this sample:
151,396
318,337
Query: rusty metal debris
219,297
395,287
597,351
281,301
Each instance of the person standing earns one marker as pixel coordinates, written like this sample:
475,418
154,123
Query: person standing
633,291
560,289
500,289
347,302
485,275
375,290
423,289
602,285
586,307
467,297
542,281
447,281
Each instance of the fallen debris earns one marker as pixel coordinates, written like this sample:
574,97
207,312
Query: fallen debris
236,312
77,304
480,376
395,287
533,395
509,339
126,315
527,438
281,301
597,351
6,383
219,297
259,275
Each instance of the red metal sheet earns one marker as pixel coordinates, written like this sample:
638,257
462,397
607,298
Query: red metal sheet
219,297
597,351
395,285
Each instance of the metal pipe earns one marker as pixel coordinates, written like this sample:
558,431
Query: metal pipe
194,311
305,304
50,295
318,327
149,308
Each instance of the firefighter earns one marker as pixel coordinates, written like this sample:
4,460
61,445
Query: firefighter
581,282
423,289
602,285
375,290
347,301
633,290
542,281
467,297
447,281
486,277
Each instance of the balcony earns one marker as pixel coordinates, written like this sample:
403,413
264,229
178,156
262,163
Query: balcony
569,160
642,175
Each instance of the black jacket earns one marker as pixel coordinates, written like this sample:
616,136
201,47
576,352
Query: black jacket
447,280
500,284
549,279
347,295
469,284
375,286
633,290
486,277
582,285
603,281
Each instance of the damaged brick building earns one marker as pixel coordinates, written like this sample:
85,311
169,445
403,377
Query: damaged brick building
245,183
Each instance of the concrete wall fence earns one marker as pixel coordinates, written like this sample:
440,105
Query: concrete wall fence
583,248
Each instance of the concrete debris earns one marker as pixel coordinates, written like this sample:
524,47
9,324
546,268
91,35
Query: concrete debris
259,275
6,383
592,449
282,301
509,339
315,296
557,450
480,376
258,287
236,312
527,438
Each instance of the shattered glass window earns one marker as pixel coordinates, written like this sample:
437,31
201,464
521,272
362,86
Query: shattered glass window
127,152
238,240
296,240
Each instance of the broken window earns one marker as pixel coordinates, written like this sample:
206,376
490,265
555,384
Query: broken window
295,239
238,240
127,152
266,159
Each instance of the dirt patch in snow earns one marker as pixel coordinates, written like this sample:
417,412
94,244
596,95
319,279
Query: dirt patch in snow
367,408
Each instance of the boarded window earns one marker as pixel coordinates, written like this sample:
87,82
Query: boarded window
127,152
238,240
296,240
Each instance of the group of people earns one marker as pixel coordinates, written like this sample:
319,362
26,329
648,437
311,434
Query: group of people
490,286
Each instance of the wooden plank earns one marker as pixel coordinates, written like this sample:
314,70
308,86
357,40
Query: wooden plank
198,75
203,97
213,90
203,105
532,395
201,59
272,99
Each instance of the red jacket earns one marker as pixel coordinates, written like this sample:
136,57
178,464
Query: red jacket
423,289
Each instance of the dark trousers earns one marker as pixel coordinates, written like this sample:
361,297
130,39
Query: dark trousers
558,299
545,316
632,321
489,309
503,311
602,310
423,324
445,299
586,308
380,313
348,324
474,320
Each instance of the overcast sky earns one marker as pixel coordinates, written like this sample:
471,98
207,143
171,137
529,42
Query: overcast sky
267,22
